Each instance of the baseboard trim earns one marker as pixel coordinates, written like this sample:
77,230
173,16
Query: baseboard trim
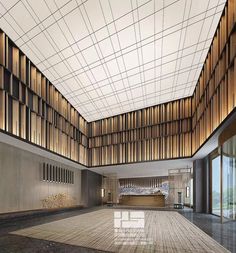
37,212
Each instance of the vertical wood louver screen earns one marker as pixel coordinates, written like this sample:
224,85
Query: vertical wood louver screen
34,110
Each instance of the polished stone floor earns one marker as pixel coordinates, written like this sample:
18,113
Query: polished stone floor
225,234
10,243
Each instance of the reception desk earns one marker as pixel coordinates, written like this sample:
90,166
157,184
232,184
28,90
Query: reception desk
143,200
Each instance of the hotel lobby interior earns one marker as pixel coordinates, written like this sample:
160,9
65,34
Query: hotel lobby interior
118,126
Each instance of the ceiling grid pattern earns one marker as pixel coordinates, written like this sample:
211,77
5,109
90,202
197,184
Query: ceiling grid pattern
109,57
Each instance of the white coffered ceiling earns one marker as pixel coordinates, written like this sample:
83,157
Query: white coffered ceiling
112,56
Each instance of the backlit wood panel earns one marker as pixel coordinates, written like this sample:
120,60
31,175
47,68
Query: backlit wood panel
33,109
215,93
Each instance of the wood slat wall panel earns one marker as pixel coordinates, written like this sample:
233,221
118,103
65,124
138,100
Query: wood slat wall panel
175,129
32,109
152,133
179,128
214,96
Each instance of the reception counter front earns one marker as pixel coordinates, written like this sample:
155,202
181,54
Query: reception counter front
143,200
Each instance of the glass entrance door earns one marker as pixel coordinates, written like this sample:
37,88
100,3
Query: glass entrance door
215,186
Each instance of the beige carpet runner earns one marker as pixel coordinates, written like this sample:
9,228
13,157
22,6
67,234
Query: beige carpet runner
126,231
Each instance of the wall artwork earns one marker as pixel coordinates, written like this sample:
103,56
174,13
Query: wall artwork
144,186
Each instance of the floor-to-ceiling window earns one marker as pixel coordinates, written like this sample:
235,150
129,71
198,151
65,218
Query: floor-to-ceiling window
215,185
223,178
229,179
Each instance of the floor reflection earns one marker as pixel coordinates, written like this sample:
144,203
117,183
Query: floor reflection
224,233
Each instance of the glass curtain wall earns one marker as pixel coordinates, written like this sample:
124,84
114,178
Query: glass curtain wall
229,179
223,175
216,187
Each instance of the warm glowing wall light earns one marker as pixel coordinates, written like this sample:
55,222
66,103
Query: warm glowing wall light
103,192
187,192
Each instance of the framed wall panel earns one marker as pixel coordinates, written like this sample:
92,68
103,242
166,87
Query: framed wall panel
38,130
2,49
2,109
1,78
15,117
33,127
16,61
22,121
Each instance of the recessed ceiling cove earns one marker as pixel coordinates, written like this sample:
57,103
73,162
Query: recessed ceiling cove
112,56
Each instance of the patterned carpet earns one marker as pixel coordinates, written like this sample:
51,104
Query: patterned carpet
126,231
